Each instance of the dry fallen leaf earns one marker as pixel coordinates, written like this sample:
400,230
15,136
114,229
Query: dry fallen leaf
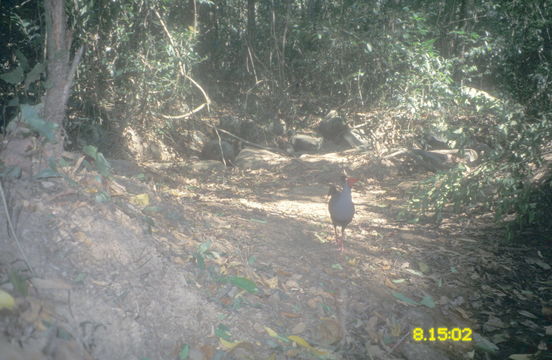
140,200
272,282
299,328
329,332
290,315
389,284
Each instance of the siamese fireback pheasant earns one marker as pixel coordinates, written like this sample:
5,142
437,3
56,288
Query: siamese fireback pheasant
341,208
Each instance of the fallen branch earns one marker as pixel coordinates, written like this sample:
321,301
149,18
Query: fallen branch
276,150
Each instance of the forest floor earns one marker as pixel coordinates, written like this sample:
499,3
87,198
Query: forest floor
242,264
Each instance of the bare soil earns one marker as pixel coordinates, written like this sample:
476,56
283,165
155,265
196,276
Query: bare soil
171,276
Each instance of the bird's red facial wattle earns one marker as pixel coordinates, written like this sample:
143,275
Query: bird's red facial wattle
351,181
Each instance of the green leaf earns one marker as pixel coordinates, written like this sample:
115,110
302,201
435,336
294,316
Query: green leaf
47,173
31,116
337,267
424,268
243,283
184,352
91,151
102,197
428,301
484,344
22,60
403,298
13,77
80,278
103,165
200,260
13,172
223,331
19,282
34,75
203,247
13,101
260,221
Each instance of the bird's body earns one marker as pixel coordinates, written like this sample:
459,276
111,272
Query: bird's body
341,208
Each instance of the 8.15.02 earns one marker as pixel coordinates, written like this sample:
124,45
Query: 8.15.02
442,334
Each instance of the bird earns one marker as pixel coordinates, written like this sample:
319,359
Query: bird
341,208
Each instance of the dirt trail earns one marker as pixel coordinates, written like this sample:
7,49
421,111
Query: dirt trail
148,284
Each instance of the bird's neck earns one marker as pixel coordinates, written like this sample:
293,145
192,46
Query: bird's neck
346,189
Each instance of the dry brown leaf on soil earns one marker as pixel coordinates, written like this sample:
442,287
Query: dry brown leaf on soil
299,328
313,302
57,284
290,315
140,200
117,189
465,314
371,327
283,273
292,285
329,331
37,313
82,237
271,283
389,284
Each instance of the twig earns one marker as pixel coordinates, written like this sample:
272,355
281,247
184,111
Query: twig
182,116
251,143
398,343
220,147
12,229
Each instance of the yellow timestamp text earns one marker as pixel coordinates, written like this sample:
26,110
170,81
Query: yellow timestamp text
442,334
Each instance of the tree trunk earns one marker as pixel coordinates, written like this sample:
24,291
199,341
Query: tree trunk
23,151
61,71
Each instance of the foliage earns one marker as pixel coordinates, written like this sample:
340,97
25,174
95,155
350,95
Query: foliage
132,66
503,183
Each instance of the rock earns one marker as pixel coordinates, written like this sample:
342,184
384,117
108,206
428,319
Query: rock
332,127
195,140
212,151
154,152
306,143
134,143
250,158
435,142
355,138
251,131
277,127
231,124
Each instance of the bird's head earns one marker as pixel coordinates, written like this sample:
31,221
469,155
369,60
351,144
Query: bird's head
351,181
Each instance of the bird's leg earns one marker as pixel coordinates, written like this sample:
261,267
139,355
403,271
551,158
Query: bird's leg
342,239
336,235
